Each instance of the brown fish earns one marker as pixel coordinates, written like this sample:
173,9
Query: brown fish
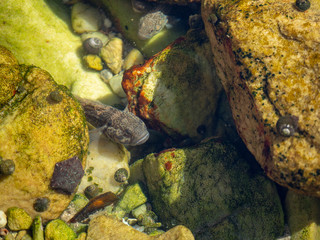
120,126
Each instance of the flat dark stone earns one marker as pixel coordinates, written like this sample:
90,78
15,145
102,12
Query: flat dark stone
67,175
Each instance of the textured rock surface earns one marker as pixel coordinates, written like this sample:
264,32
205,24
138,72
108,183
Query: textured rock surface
40,125
210,189
303,213
268,61
103,228
174,96
39,33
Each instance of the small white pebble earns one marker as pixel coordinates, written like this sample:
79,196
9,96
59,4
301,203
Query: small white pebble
106,75
3,219
107,23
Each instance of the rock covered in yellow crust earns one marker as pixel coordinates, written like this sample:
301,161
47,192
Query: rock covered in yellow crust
40,125
267,56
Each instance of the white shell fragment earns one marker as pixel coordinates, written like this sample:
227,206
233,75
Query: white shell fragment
3,219
85,18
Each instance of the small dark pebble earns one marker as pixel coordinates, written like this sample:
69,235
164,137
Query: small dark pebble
91,191
41,204
121,175
7,167
54,97
67,175
303,5
92,45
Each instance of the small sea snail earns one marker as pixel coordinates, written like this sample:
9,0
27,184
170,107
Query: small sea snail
287,125
303,5
92,45
54,97
41,204
121,175
91,191
7,167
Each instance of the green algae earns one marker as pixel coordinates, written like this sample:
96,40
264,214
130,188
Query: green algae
210,189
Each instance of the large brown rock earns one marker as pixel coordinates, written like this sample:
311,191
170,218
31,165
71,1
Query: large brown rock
41,124
267,56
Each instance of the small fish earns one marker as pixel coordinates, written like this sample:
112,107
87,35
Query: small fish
94,205
120,126
151,24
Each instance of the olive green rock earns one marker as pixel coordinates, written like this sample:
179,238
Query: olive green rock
41,124
18,219
132,197
39,32
303,213
59,230
37,229
213,190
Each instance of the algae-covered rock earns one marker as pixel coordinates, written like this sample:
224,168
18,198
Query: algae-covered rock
303,213
38,32
177,90
18,219
103,227
59,230
127,22
132,197
210,189
40,125
37,229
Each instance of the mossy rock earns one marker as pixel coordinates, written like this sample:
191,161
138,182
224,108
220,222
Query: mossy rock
41,124
214,191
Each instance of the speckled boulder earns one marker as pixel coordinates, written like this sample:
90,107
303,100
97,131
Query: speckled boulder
268,59
177,90
41,124
212,190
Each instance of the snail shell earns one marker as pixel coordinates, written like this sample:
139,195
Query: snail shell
287,125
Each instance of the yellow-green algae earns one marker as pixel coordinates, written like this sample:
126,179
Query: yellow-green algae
18,219
36,132
212,190
59,230
38,32
303,213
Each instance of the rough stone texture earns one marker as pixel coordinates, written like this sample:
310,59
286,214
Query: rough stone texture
111,54
36,133
213,191
59,230
104,228
303,213
268,62
38,32
174,96
18,219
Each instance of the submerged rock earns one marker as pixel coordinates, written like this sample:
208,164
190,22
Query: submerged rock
59,230
18,219
174,96
38,33
103,228
268,61
210,189
303,213
40,125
